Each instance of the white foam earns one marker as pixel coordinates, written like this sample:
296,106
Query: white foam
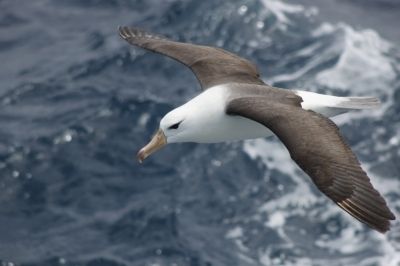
235,232
144,119
280,10
349,242
363,63
275,155
277,219
346,243
266,259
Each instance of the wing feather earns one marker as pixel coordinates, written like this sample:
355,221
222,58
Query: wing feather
315,144
212,66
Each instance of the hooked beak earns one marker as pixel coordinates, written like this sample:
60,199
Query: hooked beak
157,142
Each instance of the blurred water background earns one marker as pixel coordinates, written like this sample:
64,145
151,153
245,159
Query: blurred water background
77,102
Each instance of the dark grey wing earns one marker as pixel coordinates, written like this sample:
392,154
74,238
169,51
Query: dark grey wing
315,144
212,66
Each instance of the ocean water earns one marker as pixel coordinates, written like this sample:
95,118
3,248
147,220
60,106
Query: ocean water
77,102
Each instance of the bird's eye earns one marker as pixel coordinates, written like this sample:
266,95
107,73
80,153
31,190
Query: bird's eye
175,126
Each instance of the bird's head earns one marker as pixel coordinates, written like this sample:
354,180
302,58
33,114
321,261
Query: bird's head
198,120
174,127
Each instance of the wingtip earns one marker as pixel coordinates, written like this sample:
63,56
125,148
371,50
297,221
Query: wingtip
122,32
130,33
378,223
392,217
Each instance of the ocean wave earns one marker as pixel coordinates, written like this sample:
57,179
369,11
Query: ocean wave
77,102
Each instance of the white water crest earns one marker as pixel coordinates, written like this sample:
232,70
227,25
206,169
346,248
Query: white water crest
363,64
281,11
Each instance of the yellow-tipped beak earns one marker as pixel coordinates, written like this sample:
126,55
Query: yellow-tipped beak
157,142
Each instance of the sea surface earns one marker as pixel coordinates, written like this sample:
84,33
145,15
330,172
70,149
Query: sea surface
77,103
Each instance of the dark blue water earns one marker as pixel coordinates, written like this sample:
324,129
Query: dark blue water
77,102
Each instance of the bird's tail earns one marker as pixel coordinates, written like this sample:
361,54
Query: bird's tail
358,102
329,105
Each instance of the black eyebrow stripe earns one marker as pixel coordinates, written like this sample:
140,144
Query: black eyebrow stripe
175,126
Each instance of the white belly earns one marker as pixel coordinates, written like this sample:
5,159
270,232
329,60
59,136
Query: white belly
230,128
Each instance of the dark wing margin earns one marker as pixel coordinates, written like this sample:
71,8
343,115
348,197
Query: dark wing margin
212,66
315,144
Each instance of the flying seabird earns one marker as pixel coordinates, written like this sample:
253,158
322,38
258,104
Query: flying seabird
236,104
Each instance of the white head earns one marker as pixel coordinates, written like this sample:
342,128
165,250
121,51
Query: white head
183,124
196,121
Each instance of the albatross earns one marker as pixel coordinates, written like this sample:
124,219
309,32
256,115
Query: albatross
236,104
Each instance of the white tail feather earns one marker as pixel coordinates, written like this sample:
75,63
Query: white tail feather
328,105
